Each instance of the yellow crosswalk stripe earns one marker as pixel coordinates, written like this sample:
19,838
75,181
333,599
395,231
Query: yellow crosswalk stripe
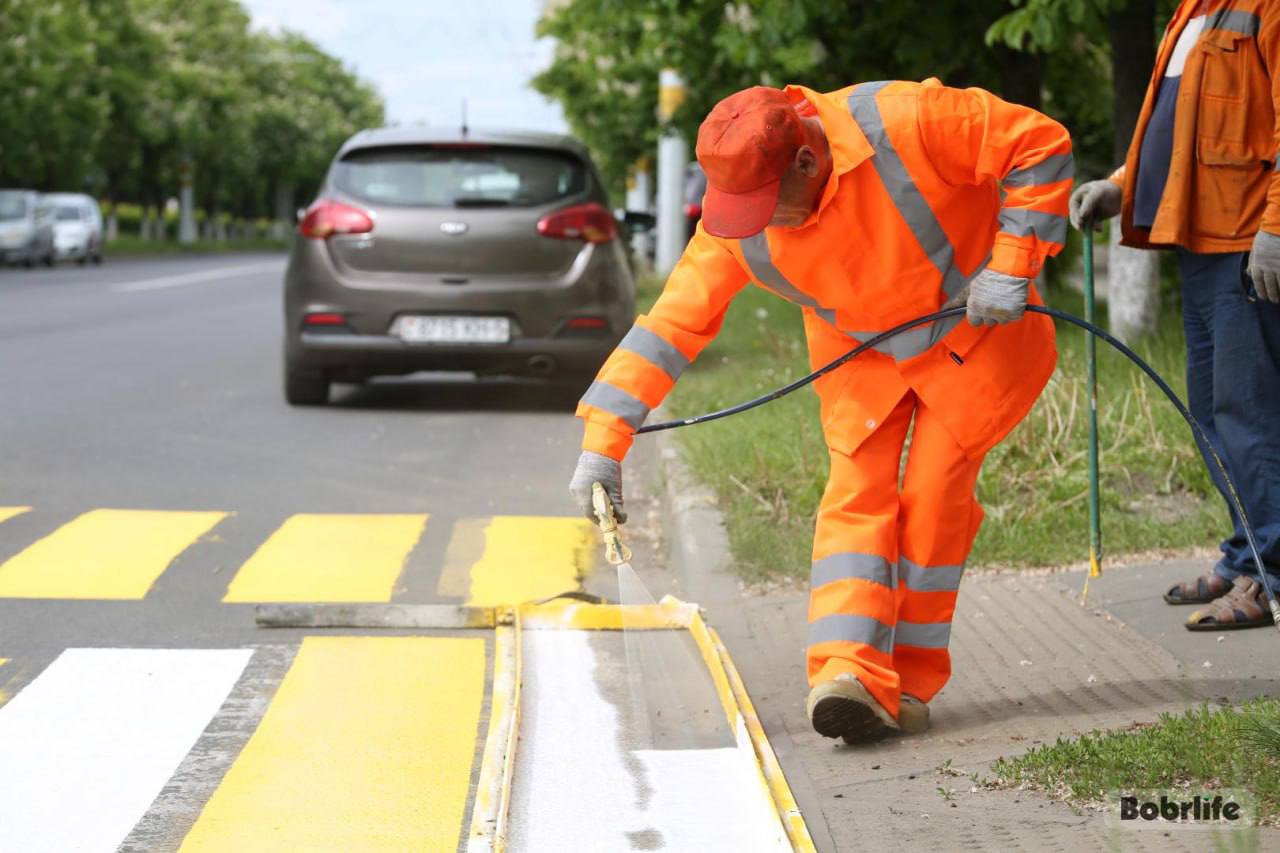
329,558
367,745
8,512
528,557
105,554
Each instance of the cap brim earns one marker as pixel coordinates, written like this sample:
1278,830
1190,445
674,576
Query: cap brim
738,215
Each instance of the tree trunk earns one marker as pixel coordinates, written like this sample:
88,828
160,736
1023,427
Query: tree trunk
1134,287
112,231
1022,76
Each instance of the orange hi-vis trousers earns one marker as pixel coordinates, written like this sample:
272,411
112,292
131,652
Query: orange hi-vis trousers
887,561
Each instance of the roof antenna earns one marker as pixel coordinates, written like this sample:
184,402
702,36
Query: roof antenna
464,117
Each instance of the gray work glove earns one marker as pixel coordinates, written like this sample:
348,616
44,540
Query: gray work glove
596,468
1093,202
996,298
1264,266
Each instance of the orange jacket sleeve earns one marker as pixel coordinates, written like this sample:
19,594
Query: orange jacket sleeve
972,137
1269,46
638,374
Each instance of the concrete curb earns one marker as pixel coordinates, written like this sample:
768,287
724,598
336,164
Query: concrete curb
699,553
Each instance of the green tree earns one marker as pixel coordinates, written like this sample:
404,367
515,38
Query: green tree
53,115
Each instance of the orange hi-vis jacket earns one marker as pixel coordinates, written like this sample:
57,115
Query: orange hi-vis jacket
1223,184
912,211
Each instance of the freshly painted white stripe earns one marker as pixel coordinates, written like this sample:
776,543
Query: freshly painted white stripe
195,277
87,746
687,799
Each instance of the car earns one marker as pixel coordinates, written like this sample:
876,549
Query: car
26,228
77,227
492,253
695,187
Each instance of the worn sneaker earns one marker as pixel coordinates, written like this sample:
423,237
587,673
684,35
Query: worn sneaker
844,708
913,715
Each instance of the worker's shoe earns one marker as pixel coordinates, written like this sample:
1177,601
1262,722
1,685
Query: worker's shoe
913,715
844,708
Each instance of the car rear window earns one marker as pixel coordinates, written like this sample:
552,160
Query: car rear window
66,213
12,206
438,176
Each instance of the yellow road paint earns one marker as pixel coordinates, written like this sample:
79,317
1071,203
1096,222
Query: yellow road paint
104,554
367,745
338,558
531,557
8,512
3,661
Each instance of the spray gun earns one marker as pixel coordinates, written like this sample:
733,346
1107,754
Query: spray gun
614,551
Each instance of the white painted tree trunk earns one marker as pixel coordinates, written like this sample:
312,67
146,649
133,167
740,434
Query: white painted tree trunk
113,226
1133,291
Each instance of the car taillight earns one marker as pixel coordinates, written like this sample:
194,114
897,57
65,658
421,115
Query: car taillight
327,217
693,211
590,222
324,318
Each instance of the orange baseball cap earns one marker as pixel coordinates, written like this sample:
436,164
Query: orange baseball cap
745,145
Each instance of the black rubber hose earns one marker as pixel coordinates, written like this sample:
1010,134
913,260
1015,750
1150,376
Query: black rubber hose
1037,309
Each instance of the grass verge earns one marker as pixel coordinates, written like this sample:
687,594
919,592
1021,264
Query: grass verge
769,466
1201,750
127,244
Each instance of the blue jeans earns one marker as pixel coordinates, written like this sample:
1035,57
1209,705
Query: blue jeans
1233,390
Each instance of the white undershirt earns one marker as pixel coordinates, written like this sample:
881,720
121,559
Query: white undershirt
1186,41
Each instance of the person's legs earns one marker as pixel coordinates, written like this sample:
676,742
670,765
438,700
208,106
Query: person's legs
1200,283
1246,412
855,550
937,524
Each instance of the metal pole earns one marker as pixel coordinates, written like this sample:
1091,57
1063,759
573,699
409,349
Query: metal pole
673,159
1091,355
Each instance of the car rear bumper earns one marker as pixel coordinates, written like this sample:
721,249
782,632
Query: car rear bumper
367,355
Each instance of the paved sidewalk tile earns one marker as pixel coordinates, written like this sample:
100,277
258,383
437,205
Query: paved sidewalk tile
1030,665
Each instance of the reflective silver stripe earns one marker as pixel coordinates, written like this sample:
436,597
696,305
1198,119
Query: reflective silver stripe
852,629
867,567
931,578
1049,227
652,347
1235,21
911,205
1050,170
615,401
923,635
755,250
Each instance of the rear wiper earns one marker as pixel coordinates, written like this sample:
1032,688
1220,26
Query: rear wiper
480,201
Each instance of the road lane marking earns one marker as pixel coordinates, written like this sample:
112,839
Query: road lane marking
89,743
367,745
167,281
8,512
104,554
530,557
329,558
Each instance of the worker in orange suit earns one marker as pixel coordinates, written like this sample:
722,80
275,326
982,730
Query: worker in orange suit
868,207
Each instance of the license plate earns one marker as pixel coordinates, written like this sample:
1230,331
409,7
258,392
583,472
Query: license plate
454,330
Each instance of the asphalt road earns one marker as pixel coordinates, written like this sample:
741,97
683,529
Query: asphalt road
147,458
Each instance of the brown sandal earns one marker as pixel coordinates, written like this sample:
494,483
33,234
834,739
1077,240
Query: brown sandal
1199,591
1242,607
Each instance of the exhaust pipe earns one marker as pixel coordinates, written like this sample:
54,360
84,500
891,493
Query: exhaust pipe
542,365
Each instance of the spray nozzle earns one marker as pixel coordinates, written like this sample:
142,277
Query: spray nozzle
614,551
